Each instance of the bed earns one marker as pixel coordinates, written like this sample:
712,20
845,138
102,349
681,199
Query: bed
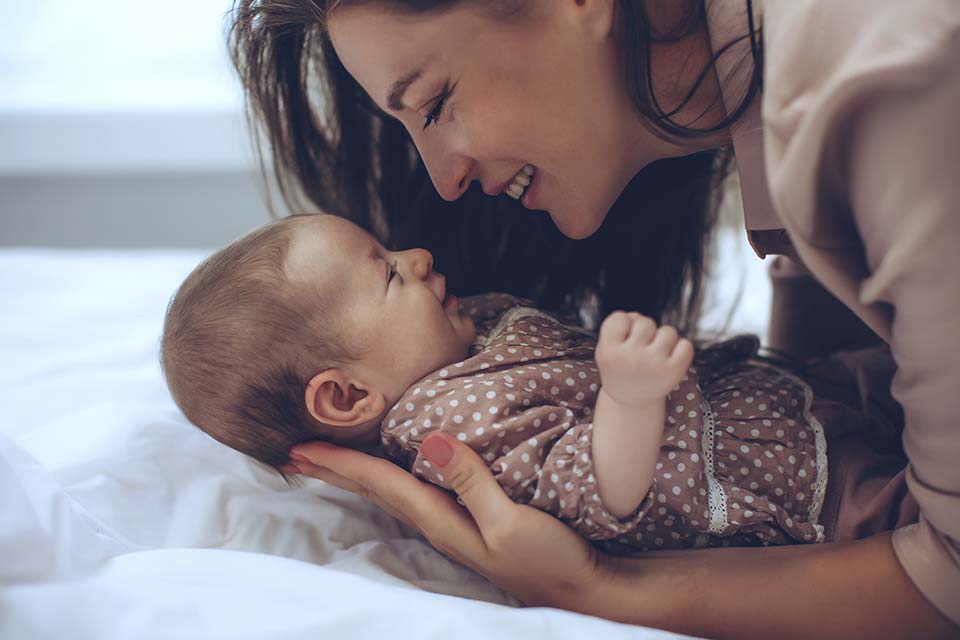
120,520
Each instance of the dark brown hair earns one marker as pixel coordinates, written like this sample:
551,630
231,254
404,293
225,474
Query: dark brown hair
238,347
332,149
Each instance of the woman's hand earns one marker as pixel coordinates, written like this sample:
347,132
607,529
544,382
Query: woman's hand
525,551
788,592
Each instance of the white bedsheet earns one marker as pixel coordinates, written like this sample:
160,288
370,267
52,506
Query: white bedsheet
121,520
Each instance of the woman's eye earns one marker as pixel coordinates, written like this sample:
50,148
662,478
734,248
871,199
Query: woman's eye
434,114
438,105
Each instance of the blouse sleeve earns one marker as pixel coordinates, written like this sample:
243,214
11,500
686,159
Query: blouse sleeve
904,163
553,471
543,458
873,138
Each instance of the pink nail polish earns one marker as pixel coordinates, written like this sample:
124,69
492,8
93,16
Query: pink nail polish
437,451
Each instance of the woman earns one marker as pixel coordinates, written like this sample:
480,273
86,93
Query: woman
591,96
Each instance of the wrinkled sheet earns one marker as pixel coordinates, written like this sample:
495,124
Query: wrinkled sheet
119,519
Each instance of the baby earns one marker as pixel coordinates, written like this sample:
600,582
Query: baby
309,329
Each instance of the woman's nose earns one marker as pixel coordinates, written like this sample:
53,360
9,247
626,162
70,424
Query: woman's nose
451,173
421,263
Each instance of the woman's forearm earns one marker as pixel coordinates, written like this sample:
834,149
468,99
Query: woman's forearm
841,590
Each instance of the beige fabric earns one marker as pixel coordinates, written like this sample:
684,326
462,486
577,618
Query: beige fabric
860,133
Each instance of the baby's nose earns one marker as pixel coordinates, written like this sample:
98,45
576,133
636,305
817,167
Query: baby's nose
422,262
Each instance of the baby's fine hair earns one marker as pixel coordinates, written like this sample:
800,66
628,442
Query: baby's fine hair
241,341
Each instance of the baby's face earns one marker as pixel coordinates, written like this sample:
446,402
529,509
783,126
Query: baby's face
393,305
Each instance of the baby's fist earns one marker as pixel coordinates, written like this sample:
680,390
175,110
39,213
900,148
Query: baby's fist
639,362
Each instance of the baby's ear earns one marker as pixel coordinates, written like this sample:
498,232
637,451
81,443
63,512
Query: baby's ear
337,399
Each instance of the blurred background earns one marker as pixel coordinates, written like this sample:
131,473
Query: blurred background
121,125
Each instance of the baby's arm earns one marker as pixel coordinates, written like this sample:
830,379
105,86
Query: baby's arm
639,365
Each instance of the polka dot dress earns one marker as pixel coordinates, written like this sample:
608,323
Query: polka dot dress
742,459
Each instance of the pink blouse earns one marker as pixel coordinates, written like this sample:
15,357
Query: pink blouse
851,164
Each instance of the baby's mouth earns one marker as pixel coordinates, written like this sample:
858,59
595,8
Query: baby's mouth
521,181
450,301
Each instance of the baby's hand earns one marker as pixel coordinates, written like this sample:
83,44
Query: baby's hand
640,363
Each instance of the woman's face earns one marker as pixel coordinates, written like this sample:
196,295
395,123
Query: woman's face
483,96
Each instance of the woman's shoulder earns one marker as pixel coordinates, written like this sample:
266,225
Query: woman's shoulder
817,46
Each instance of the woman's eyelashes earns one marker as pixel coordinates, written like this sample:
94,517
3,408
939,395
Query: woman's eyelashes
438,104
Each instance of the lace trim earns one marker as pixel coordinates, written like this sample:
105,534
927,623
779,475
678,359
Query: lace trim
717,496
820,482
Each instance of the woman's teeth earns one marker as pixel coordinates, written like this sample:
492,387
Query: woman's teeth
520,182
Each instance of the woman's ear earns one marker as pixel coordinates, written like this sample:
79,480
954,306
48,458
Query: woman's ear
335,398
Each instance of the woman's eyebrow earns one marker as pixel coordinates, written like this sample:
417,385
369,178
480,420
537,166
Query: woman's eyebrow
395,97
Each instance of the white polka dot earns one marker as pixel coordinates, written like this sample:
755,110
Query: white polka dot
461,436
409,406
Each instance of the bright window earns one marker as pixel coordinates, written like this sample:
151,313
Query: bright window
114,54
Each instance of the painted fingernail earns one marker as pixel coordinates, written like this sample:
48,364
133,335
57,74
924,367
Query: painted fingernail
437,451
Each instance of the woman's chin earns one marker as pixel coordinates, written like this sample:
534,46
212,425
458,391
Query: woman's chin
575,225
